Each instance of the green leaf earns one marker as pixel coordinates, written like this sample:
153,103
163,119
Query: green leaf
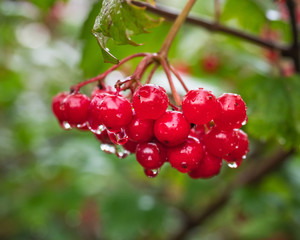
120,20
252,19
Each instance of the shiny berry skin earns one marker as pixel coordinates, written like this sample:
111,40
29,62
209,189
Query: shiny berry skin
232,113
76,107
115,112
242,147
186,156
140,130
149,156
150,101
103,137
200,106
130,146
219,142
94,117
151,173
171,128
97,90
58,108
208,167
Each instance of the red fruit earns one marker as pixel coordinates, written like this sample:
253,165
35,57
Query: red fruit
118,137
130,146
94,116
171,128
233,111
140,130
97,90
103,137
210,63
242,147
150,101
200,106
149,155
186,156
208,167
115,112
76,107
220,142
58,108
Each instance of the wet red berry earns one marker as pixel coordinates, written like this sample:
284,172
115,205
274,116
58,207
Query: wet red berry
233,111
219,142
149,155
171,128
116,112
140,130
150,101
76,107
57,106
186,156
208,167
200,106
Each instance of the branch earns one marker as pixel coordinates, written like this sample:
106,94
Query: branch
295,44
213,27
252,174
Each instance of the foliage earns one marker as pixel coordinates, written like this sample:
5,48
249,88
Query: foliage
59,185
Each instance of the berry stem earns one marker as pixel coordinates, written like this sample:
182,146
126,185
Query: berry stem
175,28
175,94
153,70
177,75
217,11
100,77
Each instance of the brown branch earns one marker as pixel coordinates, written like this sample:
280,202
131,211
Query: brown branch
213,27
295,44
252,174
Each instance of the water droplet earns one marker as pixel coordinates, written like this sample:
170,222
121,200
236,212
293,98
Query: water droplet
232,164
184,165
66,126
108,148
245,121
244,157
81,125
151,173
119,137
121,152
97,130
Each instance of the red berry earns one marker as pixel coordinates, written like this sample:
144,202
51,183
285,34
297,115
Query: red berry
76,107
97,90
140,130
186,156
58,108
233,111
130,146
151,173
94,117
200,106
115,112
242,147
149,155
150,101
118,137
210,63
103,137
220,142
208,167
171,128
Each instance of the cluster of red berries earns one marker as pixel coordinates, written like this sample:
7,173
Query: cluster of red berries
193,141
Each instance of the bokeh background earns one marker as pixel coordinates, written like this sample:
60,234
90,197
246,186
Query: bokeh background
57,184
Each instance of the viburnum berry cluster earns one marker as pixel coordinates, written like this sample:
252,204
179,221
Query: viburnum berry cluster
193,135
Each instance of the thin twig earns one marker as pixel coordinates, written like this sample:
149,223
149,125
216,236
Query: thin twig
175,94
177,75
211,26
153,70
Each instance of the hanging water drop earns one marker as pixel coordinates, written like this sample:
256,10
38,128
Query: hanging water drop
121,152
65,125
108,148
232,164
119,137
151,173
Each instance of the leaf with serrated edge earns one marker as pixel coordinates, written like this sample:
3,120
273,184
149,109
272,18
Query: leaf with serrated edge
119,20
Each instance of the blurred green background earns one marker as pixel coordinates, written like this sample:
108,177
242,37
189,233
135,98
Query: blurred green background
57,184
